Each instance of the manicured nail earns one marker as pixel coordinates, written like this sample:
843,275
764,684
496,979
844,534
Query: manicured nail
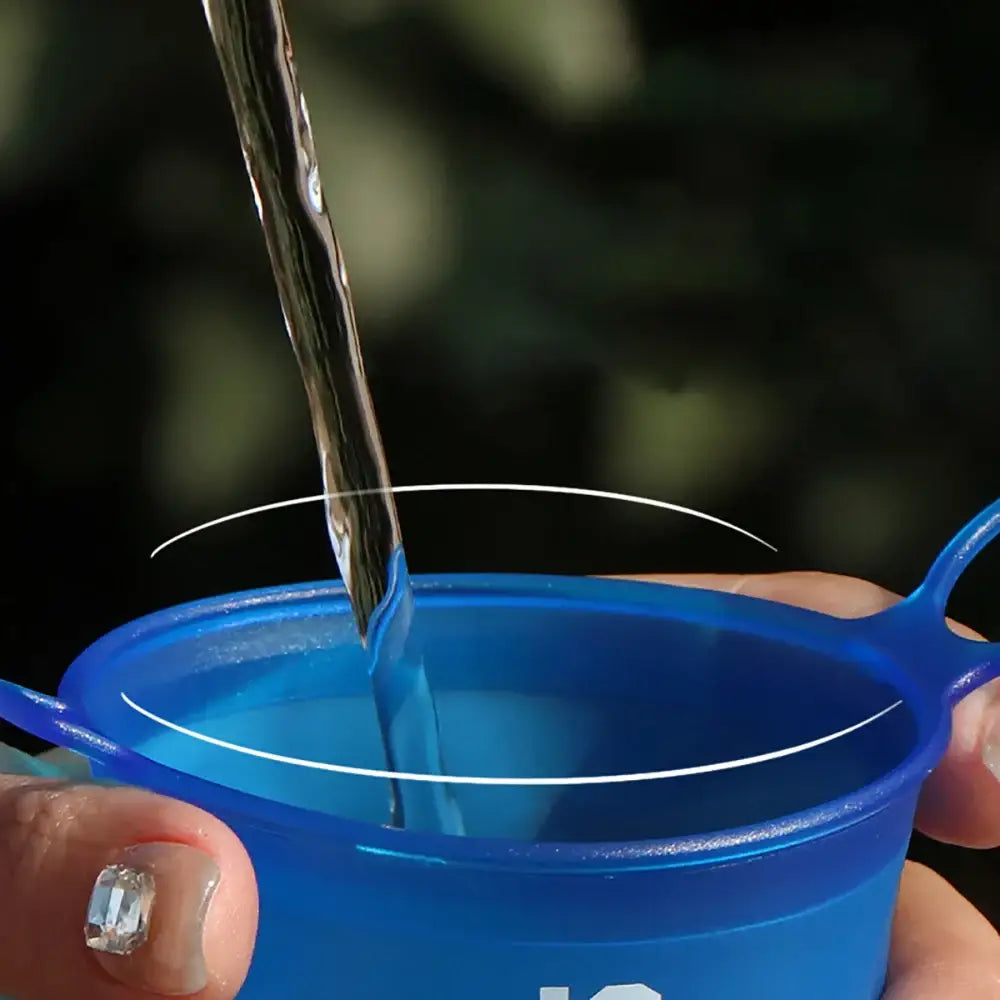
62,763
14,762
56,763
146,917
991,742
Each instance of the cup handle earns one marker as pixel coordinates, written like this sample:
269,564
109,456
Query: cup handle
954,664
54,721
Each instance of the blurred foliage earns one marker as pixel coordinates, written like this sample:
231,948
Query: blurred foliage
743,258
748,263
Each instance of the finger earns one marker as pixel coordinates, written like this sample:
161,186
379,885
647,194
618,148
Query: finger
960,801
56,838
942,947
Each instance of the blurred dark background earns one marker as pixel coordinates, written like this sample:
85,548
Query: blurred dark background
739,257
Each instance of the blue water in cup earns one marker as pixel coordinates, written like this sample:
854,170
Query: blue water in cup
731,867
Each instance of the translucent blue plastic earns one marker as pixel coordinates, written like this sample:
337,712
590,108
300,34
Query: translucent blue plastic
766,880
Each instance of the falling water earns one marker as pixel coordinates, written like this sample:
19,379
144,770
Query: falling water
255,52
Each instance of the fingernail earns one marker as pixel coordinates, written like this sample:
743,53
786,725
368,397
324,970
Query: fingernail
56,763
61,763
146,917
991,742
14,762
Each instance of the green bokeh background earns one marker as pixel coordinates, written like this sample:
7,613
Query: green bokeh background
741,258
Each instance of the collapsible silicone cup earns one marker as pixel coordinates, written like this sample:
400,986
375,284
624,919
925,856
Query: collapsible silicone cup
759,862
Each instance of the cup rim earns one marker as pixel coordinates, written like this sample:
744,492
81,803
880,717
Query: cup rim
752,615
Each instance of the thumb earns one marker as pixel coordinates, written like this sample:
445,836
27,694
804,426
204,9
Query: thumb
113,893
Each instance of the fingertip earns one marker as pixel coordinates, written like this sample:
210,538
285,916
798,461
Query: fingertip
960,801
842,596
64,846
231,926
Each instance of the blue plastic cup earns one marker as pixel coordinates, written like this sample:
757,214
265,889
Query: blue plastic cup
743,778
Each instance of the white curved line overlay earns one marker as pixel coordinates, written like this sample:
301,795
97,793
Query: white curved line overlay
365,772
466,488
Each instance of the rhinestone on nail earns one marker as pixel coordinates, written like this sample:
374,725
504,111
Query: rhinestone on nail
119,908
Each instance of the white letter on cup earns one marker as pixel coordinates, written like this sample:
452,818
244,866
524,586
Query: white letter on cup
634,992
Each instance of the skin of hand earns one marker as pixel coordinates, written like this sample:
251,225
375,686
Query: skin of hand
942,947
56,834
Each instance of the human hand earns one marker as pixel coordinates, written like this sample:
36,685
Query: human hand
58,833
942,947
